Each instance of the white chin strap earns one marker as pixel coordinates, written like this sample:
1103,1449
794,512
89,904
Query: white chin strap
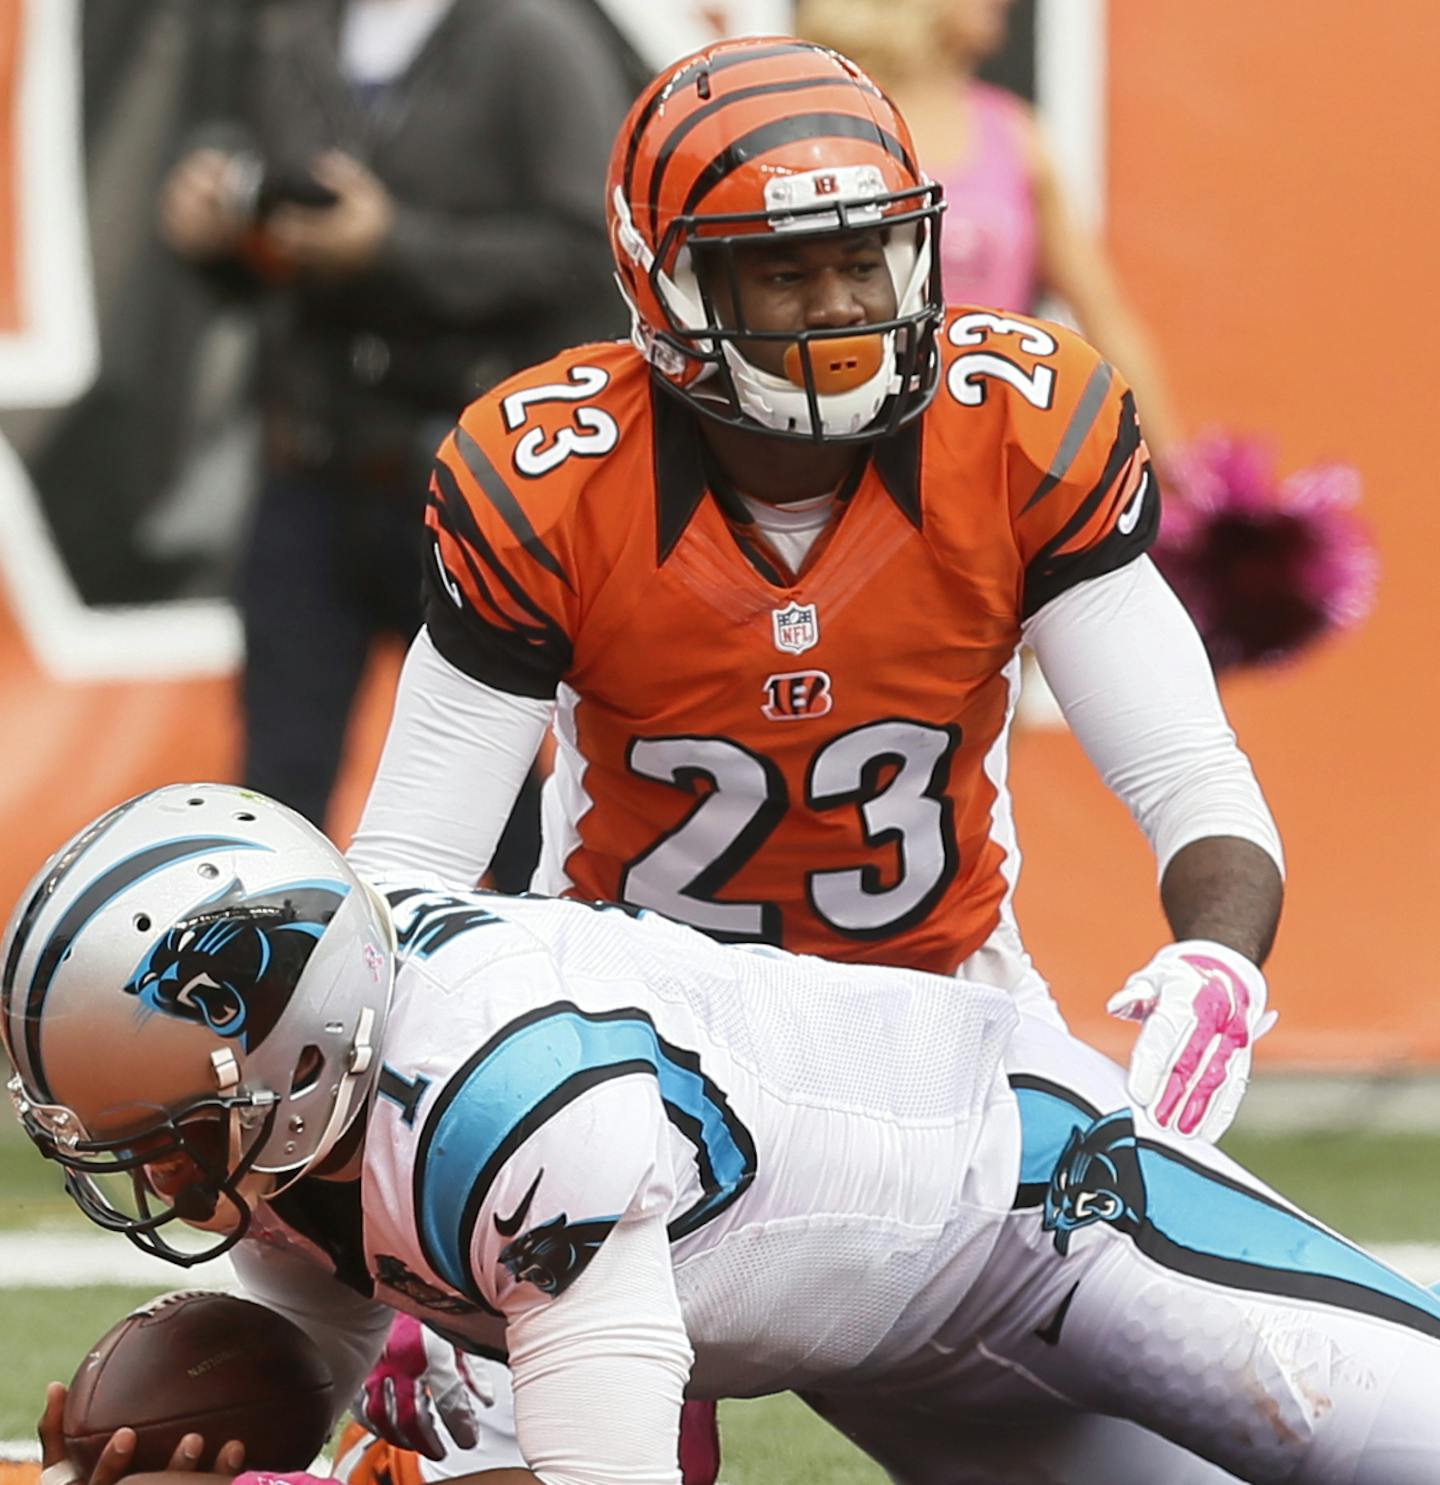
776,402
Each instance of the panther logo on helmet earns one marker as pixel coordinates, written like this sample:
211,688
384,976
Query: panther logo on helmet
232,966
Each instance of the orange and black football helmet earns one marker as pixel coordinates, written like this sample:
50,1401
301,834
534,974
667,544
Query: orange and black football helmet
774,135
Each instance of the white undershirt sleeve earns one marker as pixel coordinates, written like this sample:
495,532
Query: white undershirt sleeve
600,1373
349,1329
1131,675
454,760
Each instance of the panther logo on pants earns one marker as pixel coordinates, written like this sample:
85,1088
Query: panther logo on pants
1096,1179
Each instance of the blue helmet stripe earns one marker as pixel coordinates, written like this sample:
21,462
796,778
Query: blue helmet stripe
520,1079
108,886
46,889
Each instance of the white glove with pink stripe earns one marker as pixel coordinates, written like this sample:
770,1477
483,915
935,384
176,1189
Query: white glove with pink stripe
418,1376
1202,1006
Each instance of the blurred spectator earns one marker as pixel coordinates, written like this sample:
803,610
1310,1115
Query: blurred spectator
413,195
1010,235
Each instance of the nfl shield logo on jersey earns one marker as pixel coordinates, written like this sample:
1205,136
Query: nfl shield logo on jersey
797,628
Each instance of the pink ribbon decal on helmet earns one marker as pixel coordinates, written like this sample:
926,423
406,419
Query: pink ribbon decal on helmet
1222,1012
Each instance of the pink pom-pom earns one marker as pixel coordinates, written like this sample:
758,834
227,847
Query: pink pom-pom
1265,566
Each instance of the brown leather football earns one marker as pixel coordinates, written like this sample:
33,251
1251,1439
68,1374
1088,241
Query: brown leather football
204,1363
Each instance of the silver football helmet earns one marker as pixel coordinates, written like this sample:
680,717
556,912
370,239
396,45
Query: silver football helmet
192,992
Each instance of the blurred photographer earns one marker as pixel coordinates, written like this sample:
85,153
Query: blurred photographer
412,196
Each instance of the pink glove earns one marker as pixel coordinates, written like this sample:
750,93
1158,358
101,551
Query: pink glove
266,1477
1202,1006
419,1375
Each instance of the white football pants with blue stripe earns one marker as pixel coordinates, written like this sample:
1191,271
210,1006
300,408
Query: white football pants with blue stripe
1150,1279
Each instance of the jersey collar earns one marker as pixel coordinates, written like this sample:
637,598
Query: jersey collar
681,482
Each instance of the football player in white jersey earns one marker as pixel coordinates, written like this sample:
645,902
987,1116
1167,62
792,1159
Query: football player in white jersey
642,1164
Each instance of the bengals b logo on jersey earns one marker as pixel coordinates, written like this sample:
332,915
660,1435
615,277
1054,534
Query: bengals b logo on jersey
796,695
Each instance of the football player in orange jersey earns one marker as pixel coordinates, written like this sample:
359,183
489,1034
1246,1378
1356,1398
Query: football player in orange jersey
769,569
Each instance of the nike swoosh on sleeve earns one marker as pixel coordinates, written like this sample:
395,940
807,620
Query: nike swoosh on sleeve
1131,514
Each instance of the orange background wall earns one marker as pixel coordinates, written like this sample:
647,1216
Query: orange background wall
1274,210
1274,207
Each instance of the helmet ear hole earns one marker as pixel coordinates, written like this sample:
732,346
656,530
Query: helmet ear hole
307,1071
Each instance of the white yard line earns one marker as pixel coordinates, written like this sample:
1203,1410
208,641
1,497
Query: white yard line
38,1259
67,1260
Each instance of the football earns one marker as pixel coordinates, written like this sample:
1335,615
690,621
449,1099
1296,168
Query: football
202,1363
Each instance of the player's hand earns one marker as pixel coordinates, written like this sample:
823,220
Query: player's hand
198,215
418,1376
115,1459
339,240
1202,1006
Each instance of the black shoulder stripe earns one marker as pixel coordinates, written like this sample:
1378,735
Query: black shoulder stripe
1117,548
1082,420
690,74
789,131
499,494
484,578
461,520
1127,440
683,128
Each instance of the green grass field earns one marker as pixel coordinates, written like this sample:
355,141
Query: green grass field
1374,1188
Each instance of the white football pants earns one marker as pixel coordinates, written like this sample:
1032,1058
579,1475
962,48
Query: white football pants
1145,1279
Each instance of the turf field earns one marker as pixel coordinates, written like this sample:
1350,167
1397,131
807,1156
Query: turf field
1379,1188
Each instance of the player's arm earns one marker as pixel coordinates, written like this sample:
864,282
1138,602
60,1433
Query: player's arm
570,1244
479,683
600,1372
455,757
1121,655
348,1328
1133,680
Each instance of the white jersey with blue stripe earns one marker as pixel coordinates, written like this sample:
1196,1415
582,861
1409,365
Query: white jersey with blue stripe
825,1143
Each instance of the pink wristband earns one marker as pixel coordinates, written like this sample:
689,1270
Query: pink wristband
266,1477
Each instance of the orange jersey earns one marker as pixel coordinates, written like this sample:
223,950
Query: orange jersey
803,761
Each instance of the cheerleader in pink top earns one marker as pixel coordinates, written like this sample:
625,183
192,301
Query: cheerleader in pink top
989,251
1010,237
